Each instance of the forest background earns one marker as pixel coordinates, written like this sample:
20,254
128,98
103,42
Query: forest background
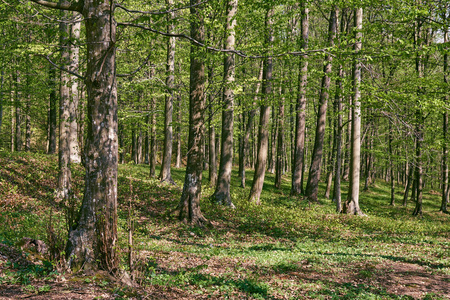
313,92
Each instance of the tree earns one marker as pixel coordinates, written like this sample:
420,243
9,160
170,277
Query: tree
165,175
222,193
188,209
92,241
263,132
312,185
351,205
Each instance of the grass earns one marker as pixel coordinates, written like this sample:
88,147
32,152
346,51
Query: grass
282,249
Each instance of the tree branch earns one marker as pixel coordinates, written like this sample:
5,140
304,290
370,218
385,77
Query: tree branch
72,6
158,12
137,70
61,68
237,52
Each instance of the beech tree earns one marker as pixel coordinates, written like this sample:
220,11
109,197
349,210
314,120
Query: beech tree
263,132
312,185
92,240
189,206
165,174
222,193
351,205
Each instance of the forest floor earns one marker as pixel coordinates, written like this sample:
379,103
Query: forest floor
285,248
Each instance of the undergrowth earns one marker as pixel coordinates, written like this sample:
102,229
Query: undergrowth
284,248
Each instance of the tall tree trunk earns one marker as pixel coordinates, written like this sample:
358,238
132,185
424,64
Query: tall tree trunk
263,133
147,139
165,175
65,174
300,112
18,113
391,165
2,73
28,123
189,205
250,120
222,193
351,205
178,132
74,92
212,175
312,186
272,143
92,241
330,160
338,141
153,130
280,142
445,183
346,168
419,134
28,109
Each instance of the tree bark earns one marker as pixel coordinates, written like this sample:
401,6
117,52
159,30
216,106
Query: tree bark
75,29
153,130
312,186
263,133
212,135
391,165
351,205
300,113
165,175
92,241
189,205
178,132
280,142
2,73
65,175
18,114
419,134
338,141
445,183
222,193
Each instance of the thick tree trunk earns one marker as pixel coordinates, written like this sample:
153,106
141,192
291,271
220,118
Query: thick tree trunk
65,174
165,175
93,240
189,205
74,92
351,206
300,113
312,186
222,193
263,133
